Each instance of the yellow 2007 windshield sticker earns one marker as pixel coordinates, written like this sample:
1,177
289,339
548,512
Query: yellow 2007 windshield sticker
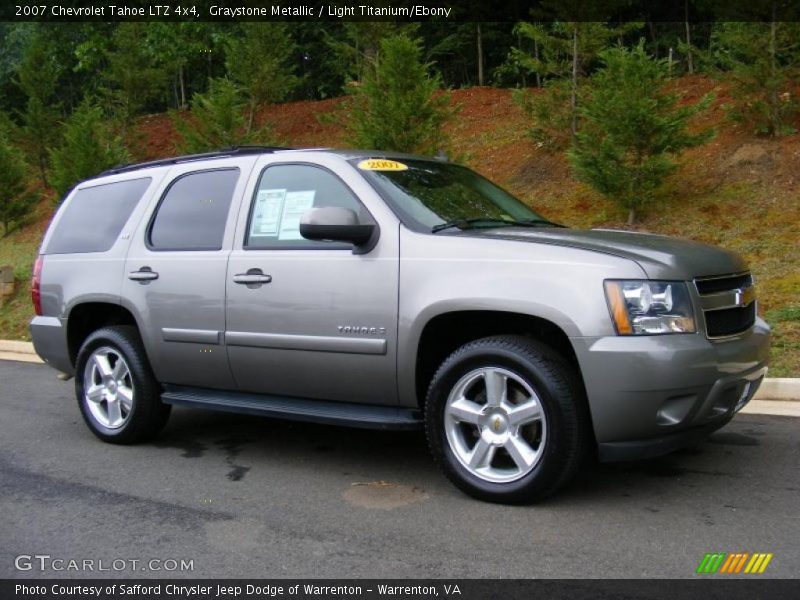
381,164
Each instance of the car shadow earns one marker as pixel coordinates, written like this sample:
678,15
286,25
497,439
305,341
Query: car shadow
404,455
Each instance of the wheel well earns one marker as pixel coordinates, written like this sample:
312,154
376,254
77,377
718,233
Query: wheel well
445,333
89,317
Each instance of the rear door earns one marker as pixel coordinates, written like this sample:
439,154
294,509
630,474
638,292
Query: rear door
322,322
175,272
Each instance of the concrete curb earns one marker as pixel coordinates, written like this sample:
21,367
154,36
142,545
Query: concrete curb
778,408
776,388
16,346
19,351
779,388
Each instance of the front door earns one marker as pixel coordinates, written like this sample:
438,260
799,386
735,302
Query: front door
310,319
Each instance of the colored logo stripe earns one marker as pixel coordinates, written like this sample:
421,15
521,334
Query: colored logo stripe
758,564
711,562
734,562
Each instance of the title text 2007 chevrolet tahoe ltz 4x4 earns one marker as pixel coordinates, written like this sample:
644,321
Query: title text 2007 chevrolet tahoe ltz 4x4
390,291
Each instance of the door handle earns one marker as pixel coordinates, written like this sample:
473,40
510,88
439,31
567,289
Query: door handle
144,274
252,277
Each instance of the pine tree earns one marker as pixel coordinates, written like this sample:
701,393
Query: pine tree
632,129
763,62
15,202
37,77
260,63
217,120
399,105
88,147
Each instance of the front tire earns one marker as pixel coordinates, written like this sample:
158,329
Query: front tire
117,393
506,420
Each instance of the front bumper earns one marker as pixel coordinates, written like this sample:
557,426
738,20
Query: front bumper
650,395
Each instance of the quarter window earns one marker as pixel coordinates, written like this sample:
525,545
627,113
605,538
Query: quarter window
193,212
284,194
95,216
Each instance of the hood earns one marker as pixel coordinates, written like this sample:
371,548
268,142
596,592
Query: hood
660,256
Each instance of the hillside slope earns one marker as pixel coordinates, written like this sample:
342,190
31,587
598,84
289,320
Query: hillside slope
739,191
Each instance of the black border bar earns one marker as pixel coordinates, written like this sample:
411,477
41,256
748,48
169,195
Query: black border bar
402,10
705,587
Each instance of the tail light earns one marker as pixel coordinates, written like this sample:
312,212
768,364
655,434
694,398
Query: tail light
36,286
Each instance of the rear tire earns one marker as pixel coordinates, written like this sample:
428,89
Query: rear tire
506,419
118,395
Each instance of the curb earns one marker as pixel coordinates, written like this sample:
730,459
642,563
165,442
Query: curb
779,388
775,388
17,347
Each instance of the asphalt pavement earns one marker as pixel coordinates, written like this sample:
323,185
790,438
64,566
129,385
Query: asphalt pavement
240,496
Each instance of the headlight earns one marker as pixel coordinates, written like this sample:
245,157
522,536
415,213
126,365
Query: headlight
650,307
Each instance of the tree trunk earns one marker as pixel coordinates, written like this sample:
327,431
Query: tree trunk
689,63
574,98
43,166
480,55
250,117
536,56
669,63
631,215
653,37
183,88
775,115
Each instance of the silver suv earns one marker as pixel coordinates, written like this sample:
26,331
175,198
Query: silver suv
388,291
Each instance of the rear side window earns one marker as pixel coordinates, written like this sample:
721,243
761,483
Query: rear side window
193,212
95,216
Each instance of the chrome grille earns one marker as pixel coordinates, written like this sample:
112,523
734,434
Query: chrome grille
729,303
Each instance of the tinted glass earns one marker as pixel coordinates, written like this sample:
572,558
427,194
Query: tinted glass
95,216
284,194
193,212
429,193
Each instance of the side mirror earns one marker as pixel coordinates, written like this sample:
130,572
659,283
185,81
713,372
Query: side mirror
335,224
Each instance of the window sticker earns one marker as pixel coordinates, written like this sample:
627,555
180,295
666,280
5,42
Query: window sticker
381,164
295,206
267,213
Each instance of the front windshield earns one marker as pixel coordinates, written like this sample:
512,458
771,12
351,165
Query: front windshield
433,194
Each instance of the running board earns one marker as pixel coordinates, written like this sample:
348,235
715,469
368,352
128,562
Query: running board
295,409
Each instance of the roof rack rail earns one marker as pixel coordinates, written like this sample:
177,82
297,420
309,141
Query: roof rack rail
161,162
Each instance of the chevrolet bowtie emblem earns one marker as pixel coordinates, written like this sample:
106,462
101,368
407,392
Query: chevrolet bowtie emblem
496,424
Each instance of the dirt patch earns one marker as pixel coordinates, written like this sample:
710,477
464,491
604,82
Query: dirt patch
750,155
383,495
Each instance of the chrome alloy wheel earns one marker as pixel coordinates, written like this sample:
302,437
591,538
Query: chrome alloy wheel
495,424
108,388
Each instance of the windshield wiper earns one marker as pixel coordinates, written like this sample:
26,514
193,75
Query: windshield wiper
468,223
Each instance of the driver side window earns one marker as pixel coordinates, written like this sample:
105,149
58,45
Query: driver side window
283,195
